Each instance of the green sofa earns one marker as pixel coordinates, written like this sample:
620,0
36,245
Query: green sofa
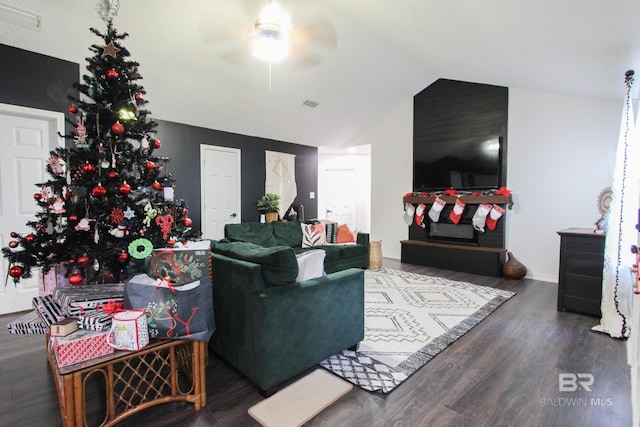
270,327
338,257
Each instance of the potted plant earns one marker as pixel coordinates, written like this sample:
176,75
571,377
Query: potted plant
269,204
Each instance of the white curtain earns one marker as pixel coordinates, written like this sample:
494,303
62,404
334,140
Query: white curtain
618,279
281,177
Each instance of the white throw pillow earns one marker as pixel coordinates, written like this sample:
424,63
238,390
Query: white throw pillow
310,264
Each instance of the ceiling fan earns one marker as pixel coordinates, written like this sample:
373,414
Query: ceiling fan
304,35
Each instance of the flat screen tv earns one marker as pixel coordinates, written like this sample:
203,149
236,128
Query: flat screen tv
459,136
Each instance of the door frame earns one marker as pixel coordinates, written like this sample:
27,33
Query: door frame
203,149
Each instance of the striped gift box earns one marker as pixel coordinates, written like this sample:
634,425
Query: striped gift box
28,324
94,321
79,300
48,310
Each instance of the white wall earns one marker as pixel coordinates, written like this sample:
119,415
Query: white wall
561,152
391,142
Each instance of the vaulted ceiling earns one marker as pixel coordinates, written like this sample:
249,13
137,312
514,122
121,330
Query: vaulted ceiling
364,59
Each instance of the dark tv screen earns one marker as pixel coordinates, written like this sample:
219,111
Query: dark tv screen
459,136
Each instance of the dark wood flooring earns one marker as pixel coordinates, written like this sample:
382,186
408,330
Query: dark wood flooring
504,372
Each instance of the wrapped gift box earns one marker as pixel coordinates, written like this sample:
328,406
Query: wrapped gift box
94,321
64,327
54,278
76,300
48,310
182,264
81,345
28,324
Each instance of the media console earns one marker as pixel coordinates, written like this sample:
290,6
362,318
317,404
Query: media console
480,253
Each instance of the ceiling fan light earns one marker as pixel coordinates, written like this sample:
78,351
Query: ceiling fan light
271,35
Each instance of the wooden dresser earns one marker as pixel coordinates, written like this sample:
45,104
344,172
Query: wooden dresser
580,273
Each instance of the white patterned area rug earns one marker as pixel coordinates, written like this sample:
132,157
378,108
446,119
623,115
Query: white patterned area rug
409,319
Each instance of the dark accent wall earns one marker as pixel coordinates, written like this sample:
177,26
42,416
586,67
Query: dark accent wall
182,143
33,80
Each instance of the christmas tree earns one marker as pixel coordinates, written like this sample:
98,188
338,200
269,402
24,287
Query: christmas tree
109,197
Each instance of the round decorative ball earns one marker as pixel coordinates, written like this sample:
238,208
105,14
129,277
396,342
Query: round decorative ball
117,128
88,167
73,109
13,244
98,191
112,74
73,218
124,188
156,186
112,174
75,278
14,235
157,144
123,257
30,238
16,271
171,241
83,259
37,196
150,165
138,96
187,222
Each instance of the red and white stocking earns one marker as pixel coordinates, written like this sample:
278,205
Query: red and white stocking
436,208
409,212
456,212
480,217
420,214
494,216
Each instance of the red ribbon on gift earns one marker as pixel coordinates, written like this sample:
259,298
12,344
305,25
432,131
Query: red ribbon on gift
166,281
112,307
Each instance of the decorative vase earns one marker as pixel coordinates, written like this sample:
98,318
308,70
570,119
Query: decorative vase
271,216
513,269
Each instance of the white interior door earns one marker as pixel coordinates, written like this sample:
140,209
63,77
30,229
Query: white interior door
220,189
26,137
341,196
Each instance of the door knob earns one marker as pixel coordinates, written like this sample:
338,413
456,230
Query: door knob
233,215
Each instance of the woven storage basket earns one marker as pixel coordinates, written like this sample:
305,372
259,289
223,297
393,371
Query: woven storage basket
375,254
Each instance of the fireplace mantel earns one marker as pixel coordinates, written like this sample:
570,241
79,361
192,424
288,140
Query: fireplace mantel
472,200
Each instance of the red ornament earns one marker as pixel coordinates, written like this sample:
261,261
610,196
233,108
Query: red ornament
157,144
156,185
16,271
117,128
98,191
138,96
14,235
187,222
13,244
112,174
83,259
123,257
75,278
73,218
171,241
30,238
150,165
112,74
88,167
73,109
37,196
124,188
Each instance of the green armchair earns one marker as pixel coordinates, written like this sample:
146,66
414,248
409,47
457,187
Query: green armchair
272,332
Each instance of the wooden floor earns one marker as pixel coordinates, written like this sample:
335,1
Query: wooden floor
504,372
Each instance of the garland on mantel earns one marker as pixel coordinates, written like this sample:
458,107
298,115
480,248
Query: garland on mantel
502,191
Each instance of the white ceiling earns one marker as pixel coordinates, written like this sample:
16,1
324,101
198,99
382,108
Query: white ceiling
386,52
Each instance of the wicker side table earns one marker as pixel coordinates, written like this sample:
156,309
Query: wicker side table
133,381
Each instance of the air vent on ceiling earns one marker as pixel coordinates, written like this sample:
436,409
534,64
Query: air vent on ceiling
20,17
310,103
